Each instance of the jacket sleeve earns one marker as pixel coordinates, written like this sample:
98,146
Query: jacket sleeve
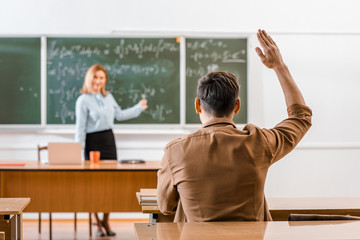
284,137
126,114
167,194
81,121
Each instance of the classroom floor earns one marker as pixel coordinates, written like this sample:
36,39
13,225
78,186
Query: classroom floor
64,229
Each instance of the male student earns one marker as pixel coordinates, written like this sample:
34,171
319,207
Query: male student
218,173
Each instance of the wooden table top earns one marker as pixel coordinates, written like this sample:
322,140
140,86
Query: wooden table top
314,203
85,166
13,205
249,230
307,204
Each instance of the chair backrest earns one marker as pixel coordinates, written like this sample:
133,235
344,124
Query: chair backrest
320,217
39,150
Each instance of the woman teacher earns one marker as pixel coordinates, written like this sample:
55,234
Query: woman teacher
96,110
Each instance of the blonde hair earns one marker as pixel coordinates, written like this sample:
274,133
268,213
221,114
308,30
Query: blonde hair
89,76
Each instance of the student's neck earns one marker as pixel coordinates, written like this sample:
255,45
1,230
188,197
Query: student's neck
204,117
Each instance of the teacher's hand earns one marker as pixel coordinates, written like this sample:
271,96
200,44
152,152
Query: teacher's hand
143,104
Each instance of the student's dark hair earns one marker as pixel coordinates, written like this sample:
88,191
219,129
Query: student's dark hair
218,92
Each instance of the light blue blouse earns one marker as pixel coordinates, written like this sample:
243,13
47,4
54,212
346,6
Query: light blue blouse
94,113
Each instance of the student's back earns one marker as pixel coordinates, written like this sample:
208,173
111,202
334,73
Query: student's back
219,172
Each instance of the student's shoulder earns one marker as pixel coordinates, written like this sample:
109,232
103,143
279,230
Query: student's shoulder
256,132
174,143
251,127
179,141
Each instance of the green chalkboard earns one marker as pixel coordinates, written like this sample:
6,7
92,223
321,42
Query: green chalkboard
20,81
209,55
135,66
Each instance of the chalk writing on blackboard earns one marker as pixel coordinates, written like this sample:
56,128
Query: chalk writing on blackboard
204,55
135,67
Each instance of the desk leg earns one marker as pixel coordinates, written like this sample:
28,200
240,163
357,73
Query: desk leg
39,222
50,226
19,226
75,221
90,227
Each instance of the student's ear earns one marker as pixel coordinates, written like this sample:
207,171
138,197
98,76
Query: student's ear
197,106
237,106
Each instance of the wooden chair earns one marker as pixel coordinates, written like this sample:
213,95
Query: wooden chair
320,217
2,236
50,217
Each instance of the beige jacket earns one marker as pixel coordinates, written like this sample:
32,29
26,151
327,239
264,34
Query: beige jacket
218,173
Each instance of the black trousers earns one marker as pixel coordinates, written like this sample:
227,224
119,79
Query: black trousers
103,141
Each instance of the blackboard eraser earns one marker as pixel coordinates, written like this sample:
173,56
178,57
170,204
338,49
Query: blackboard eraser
132,161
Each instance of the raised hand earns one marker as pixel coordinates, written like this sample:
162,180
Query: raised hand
271,57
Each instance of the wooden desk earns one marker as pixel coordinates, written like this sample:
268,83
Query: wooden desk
280,208
249,230
106,187
10,207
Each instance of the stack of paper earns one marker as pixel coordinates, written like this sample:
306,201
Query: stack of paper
147,196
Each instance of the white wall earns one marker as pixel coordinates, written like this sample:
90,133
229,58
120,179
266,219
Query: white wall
320,41
99,17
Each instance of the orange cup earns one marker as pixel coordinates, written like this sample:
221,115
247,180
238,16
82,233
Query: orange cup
94,157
